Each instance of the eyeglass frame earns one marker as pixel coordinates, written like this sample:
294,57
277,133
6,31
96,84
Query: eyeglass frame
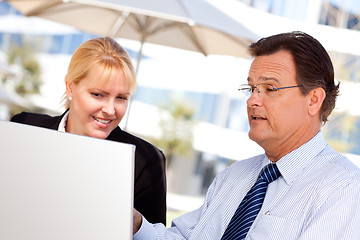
252,88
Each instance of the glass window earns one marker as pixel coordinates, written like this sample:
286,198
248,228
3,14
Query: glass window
344,14
4,8
287,8
264,5
76,40
56,44
237,117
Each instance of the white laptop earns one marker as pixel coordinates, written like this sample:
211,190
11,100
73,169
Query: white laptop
57,186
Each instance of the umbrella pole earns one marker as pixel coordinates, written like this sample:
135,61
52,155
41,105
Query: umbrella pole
139,56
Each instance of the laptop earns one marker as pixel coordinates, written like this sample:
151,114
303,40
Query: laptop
58,186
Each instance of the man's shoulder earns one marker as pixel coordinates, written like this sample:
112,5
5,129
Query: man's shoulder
244,166
346,166
339,167
252,161
238,172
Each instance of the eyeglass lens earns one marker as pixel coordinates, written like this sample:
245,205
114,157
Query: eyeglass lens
265,88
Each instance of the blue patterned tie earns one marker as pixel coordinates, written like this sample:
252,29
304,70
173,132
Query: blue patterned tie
251,205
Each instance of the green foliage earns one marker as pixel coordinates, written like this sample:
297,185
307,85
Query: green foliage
338,131
28,82
176,122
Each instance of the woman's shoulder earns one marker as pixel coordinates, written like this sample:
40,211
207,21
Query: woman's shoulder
26,116
37,119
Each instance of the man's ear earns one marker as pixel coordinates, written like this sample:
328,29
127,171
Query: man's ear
316,99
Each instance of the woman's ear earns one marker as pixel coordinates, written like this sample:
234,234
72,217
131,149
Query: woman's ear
316,99
69,86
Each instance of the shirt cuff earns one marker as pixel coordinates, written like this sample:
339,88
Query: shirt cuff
146,231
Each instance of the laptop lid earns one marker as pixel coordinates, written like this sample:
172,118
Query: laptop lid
58,186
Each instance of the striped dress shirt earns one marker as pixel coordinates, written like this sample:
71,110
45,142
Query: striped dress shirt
317,197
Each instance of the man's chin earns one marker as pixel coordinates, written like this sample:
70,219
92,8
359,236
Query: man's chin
256,136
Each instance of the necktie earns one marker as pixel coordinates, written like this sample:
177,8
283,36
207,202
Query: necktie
251,204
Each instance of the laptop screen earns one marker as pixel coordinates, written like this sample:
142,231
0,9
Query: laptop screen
58,185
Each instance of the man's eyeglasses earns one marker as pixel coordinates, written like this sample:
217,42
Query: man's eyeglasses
265,89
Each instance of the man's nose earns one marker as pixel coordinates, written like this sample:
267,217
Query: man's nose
255,98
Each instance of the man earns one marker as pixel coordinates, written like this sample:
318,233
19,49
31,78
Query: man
316,191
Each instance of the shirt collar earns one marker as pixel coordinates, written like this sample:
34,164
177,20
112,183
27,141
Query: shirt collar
63,122
294,162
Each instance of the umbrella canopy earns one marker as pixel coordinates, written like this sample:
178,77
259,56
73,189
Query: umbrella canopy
194,25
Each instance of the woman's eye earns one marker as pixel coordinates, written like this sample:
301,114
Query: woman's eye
96,94
122,98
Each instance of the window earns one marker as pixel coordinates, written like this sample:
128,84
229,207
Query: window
343,14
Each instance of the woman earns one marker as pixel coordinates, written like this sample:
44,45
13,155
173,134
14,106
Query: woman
99,83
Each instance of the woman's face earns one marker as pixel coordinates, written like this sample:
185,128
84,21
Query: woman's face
98,104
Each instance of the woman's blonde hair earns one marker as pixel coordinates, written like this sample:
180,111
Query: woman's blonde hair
104,52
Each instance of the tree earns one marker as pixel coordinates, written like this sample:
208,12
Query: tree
338,131
23,58
176,122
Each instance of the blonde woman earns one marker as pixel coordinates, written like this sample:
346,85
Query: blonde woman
99,83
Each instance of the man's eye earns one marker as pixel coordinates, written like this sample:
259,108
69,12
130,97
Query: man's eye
270,89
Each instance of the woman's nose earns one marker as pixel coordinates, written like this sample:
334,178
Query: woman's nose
109,107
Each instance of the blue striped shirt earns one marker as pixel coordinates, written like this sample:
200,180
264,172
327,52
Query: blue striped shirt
316,197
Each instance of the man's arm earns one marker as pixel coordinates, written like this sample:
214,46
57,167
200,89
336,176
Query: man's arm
183,226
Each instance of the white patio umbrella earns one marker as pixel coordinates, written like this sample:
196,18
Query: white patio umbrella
194,25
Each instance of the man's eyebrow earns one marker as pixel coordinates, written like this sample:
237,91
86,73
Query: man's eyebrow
270,79
265,79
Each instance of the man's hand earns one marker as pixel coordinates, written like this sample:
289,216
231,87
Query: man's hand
137,220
